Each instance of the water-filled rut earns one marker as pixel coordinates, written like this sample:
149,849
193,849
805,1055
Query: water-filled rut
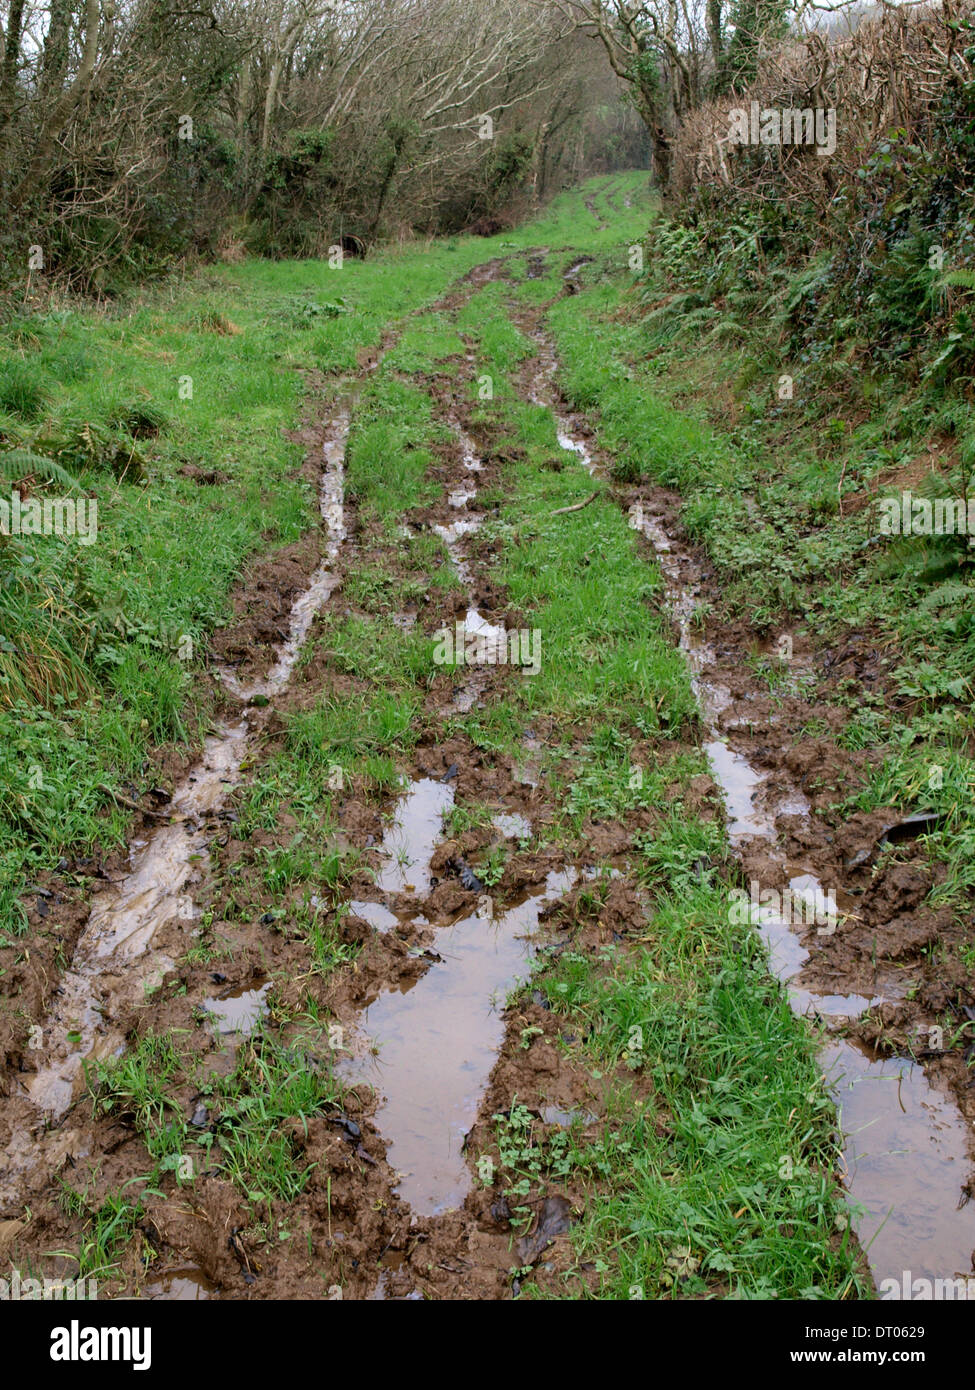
427,1046
907,1148
906,1145
116,958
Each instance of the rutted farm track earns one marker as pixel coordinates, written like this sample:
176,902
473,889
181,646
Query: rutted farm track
434,1140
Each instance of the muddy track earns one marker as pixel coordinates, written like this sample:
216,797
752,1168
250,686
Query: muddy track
846,929
273,607
395,1205
139,927
846,935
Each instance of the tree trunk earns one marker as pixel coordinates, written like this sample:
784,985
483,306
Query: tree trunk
55,62
62,108
713,20
274,77
8,82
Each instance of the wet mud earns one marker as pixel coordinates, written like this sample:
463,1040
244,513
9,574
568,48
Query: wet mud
907,1131
428,1036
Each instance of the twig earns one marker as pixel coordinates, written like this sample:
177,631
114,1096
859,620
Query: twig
839,486
132,805
576,506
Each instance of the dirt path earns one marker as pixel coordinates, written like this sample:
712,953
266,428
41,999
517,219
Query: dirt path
821,912
848,951
366,1026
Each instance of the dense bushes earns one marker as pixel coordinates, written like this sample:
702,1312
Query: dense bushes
283,128
866,253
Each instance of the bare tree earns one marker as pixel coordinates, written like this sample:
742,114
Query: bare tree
660,49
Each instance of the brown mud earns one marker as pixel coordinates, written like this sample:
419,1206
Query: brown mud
846,963
131,973
397,1201
852,955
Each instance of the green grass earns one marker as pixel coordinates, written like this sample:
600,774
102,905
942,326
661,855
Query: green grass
685,1189
716,1092
269,1084
763,497
606,644
694,1195
101,646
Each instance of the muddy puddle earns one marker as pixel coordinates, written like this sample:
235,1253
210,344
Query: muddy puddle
428,1047
114,960
187,1284
376,914
469,455
324,580
512,825
491,639
905,1144
409,843
240,1011
113,953
468,693
542,392
452,537
567,1119
905,1147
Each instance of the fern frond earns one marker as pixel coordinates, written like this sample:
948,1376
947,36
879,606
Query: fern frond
951,592
964,278
17,463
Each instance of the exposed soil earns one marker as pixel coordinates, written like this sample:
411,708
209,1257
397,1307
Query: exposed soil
882,939
370,1223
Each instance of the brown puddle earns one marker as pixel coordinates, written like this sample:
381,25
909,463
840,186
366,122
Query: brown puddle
565,1119
491,639
436,1040
471,459
512,825
180,1285
427,1046
241,1010
409,843
542,392
468,693
375,914
906,1146
324,580
125,917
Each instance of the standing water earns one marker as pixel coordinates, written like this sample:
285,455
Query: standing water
114,957
906,1146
